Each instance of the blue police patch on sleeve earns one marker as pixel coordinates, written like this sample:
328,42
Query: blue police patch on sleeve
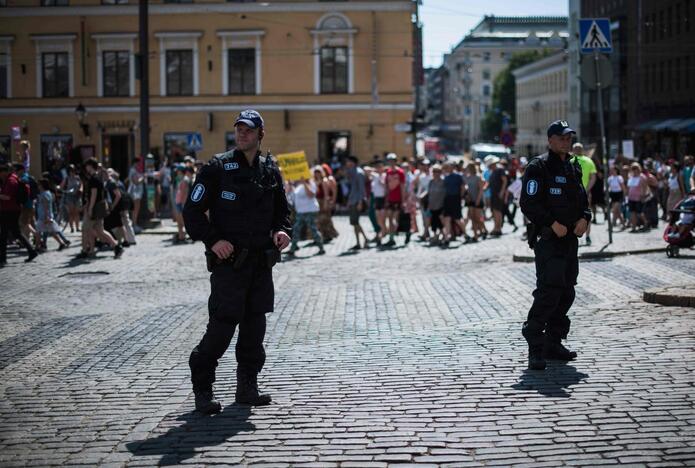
532,187
228,195
560,180
197,193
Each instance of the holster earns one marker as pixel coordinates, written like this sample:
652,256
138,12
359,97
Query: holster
237,259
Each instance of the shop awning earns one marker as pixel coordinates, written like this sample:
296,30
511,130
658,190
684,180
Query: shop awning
666,124
661,125
649,125
684,124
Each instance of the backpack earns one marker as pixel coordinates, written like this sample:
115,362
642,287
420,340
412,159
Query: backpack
33,188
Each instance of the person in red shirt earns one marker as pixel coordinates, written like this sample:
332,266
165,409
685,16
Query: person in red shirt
9,214
395,187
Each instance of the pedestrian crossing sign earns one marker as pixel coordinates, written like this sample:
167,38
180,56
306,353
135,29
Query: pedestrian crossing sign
195,141
595,35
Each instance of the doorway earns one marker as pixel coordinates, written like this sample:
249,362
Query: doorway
334,147
117,150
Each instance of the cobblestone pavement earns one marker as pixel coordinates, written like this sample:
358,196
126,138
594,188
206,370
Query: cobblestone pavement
406,356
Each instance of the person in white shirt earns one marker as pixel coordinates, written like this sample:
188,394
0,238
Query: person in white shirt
422,182
379,193
306,208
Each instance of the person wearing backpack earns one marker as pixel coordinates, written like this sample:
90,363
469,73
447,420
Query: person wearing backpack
10,197
27,212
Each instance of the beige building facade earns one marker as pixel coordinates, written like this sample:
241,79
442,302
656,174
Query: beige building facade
328,77
542,96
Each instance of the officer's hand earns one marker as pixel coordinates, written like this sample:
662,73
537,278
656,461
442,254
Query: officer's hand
223,249
559,229
281,240
580,227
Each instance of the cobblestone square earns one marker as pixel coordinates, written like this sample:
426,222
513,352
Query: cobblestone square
405,356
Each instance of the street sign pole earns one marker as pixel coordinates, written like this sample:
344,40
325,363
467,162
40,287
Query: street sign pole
602,125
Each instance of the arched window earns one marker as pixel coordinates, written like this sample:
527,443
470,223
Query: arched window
333,54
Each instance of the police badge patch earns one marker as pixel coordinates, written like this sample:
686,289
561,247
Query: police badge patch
197,193
229,195
531,187
231,166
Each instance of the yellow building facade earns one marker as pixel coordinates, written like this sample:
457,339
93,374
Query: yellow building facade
329,78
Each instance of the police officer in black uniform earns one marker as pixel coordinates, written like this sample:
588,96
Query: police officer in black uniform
246,227
555,202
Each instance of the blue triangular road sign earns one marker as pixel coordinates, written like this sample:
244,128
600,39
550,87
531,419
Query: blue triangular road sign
595,35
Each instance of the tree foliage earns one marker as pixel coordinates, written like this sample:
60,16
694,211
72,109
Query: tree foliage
504,95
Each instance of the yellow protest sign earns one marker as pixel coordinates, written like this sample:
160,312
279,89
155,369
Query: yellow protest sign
294,166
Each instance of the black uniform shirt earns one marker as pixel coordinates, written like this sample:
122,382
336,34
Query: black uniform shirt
246,203
552,191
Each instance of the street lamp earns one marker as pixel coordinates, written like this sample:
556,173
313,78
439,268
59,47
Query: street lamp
81,113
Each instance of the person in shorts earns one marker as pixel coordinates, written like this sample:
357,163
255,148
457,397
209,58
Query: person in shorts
378,184
395,186
455,188
355,198
94,213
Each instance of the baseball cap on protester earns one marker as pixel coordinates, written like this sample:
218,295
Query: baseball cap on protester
559,127
250,118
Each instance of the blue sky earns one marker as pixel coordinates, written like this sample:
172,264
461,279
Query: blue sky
446,22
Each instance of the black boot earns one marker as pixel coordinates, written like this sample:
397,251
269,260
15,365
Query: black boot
536,361
555,350
205,402
247,390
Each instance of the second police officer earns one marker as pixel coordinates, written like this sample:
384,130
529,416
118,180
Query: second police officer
246,226
554,200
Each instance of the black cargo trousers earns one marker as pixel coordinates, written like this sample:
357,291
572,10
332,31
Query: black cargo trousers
238,298
557,268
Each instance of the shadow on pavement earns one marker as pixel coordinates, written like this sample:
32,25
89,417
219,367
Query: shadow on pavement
552,382
180,443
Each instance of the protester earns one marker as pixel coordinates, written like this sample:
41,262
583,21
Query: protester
588,178
356,197
113,222
95,212
184,175
371,209
688,173
636,194
45,216
676,187
395,185
306,208
422,182
136,189
10,199
498,189
474,200
378,182
27,210
616,194
326,196
436,194
455,188
71,189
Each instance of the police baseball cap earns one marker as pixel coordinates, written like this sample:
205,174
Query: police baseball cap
559,127
250,118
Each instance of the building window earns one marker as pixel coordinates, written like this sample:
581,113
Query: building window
486,90
486,74
242,71
54,3
486,56
334,70
662,24
179,72
4,82
116,71
55,74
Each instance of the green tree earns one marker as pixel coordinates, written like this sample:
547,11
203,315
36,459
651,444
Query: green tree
504,94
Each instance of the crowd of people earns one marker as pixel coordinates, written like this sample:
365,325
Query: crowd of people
470,199
466,199
90,200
